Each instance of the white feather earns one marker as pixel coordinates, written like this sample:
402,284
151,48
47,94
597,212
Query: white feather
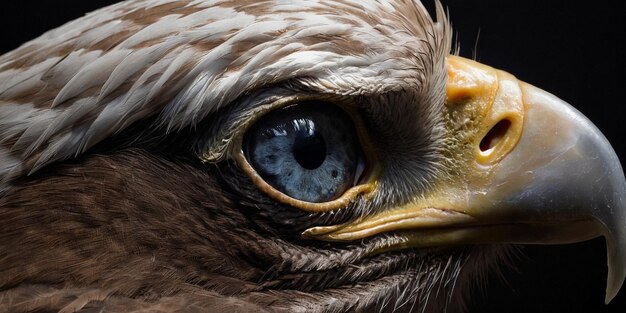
93,74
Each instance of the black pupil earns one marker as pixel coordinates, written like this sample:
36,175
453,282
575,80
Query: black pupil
309,149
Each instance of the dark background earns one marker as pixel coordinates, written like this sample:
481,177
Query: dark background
569,48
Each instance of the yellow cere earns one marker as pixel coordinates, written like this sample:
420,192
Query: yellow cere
487,105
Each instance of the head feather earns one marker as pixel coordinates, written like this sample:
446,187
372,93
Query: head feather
179,61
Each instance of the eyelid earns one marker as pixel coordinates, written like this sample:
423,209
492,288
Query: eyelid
225,147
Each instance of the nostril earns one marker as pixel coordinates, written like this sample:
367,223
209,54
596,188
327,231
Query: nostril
495,134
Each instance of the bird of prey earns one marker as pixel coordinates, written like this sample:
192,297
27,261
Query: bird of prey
281,156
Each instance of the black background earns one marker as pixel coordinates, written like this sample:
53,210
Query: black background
569,48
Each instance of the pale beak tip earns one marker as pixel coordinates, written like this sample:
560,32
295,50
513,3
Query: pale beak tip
616,259
615,279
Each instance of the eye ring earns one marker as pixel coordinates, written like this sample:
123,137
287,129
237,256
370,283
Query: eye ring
366,185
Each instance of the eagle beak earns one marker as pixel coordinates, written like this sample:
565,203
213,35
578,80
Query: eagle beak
528,168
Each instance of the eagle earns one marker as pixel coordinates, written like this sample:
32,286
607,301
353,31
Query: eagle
281,156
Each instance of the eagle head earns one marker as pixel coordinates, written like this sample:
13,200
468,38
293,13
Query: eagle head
281,156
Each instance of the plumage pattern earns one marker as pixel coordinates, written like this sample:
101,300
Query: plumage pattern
179,61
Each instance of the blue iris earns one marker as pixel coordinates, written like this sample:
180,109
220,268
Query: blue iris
309,151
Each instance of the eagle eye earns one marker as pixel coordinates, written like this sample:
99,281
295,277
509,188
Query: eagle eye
308,151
